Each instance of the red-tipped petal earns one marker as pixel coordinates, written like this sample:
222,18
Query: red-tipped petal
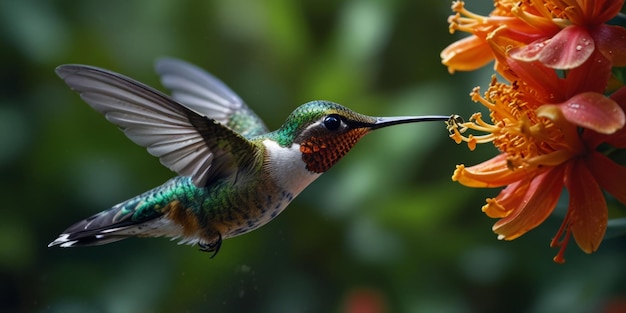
568,49
587,206
537,204
593,111
530,52
608,174
611,41
617,139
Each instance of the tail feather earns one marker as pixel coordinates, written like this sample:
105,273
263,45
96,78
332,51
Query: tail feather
83,234
73,240
105,227
130,218
141,216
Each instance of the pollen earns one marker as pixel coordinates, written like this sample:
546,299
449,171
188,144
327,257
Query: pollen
514,127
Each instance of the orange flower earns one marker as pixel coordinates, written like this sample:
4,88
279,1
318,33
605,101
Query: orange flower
535,123
561,34
585,31
474,52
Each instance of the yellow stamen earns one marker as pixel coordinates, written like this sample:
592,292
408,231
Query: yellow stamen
544,19
529,135
494,210
470,22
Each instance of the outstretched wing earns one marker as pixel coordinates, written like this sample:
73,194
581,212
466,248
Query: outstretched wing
207,95
184,140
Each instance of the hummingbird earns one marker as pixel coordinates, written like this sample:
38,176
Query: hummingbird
234,175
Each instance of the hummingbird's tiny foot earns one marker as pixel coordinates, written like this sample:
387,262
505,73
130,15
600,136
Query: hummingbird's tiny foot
212,246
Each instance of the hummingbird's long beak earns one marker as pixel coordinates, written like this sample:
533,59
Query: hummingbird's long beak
389,121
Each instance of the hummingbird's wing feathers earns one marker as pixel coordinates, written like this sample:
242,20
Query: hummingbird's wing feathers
184,141
204,93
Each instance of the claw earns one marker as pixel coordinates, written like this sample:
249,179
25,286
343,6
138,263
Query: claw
211,247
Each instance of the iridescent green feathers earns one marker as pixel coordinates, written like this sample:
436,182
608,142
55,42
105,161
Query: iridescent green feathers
294,128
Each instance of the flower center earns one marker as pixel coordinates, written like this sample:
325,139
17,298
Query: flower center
529,141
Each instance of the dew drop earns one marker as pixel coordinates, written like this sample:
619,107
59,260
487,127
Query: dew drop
579,47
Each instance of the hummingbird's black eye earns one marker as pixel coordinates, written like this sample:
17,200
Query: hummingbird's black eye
332,122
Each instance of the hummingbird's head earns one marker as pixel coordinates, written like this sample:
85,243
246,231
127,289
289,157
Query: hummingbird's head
326,131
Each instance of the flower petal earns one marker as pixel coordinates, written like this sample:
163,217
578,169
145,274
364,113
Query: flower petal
568,49
507,200
603,10
587,206
491,173
618,139
538,77
592,75
530,52
608,174
537,204
467,54
611,41
590,110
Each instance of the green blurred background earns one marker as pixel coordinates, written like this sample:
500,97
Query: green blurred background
385,228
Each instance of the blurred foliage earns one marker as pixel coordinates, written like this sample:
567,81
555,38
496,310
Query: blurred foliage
386,228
